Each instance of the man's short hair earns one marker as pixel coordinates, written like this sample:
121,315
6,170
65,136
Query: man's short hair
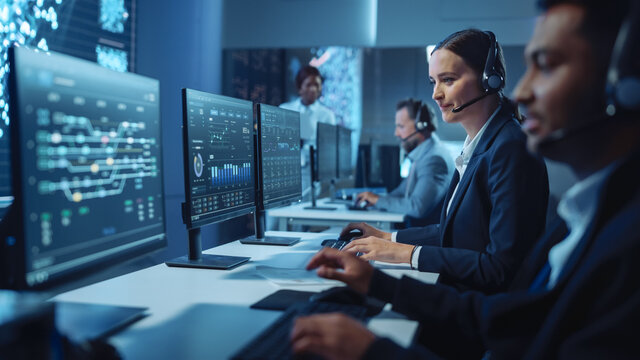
305,72
413,106
601,23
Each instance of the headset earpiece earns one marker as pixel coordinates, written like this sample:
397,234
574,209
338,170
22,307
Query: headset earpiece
424,118
492,81
623,80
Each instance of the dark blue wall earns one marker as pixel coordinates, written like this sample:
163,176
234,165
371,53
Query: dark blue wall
179,44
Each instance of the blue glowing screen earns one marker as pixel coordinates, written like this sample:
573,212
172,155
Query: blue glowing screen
64,26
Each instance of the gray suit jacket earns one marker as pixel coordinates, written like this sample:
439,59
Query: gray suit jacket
422,192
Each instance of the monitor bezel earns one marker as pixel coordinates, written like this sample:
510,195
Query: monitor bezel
285,201
13,224
187,161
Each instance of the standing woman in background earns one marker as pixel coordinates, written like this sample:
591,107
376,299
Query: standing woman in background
496,204
309,85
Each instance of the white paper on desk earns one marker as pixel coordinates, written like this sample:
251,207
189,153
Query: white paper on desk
284,276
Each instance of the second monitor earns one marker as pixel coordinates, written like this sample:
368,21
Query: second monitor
278,154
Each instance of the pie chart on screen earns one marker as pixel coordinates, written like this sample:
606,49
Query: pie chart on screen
198,165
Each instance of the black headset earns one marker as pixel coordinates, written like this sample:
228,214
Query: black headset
623,80
492,81
622,90
425,118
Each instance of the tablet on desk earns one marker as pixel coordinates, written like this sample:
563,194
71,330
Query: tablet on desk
82,321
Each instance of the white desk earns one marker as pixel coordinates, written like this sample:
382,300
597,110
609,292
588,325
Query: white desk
297,214
197,313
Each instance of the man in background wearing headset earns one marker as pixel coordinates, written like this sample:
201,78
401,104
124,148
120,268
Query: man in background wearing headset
576,296
419,196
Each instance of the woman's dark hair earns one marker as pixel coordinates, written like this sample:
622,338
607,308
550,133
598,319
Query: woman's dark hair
473,45
305,72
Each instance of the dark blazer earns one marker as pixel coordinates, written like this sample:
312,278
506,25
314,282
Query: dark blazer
497,214
593,311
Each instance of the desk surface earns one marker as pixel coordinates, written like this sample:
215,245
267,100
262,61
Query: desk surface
197,313
341,213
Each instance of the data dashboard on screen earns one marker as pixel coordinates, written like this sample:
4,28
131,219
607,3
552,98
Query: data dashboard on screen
280,155
219,158
88,154
62,26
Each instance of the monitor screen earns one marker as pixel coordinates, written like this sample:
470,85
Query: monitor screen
375,163
327,152
345,170
87,157
218,157
279,144
6,196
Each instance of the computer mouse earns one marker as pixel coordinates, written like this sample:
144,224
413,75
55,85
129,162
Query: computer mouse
355,233
341,295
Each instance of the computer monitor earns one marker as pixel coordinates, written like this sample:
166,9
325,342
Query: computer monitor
278,154
326,153
375,164
345,169
87,179
389,157
324,161
6,196
218,169
86,158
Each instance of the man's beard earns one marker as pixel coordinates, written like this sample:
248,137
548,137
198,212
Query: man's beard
411,144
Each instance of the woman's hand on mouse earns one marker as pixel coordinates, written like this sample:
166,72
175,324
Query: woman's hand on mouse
367,230
373,248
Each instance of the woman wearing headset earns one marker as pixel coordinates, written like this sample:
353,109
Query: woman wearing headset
496,204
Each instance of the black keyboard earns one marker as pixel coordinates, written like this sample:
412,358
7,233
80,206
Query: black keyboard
336,244
273,342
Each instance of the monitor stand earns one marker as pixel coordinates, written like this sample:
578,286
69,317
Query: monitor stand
196,259
261,239
313,202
